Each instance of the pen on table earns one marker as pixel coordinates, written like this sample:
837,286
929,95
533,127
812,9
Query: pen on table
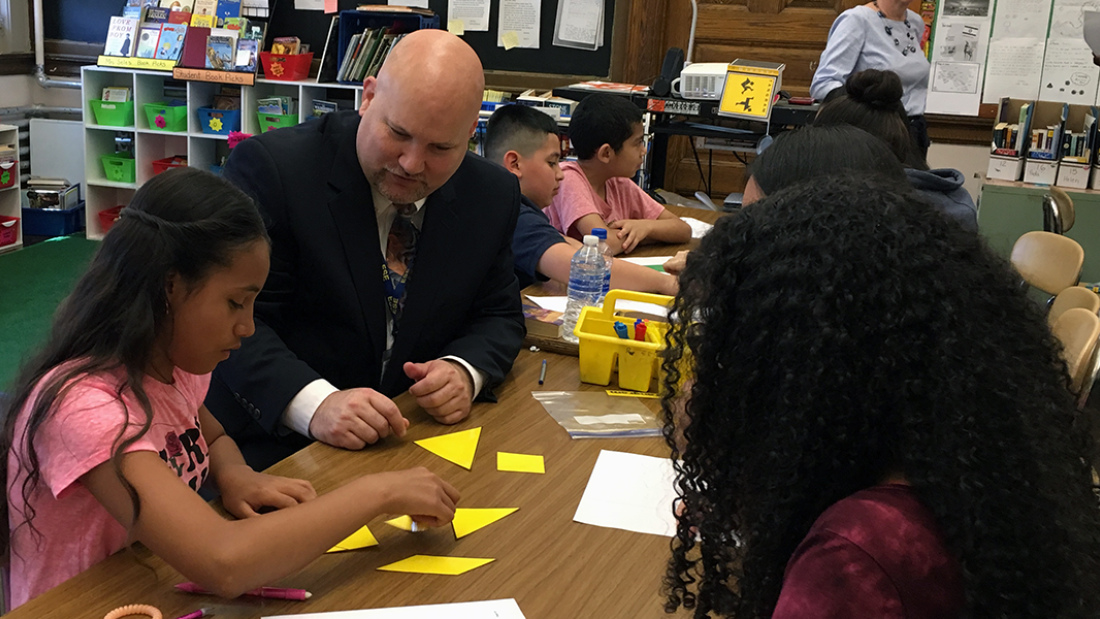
542,372
198,614
277,593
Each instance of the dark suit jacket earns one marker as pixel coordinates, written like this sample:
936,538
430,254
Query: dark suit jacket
322,313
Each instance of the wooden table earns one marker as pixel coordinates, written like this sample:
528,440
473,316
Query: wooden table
552,566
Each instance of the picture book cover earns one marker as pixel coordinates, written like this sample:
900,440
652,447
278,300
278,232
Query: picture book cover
179,17
228,9
156,15
194,47
147,41
205,7
235,23
171,41
202,21
322,107
248,50
133,12
186,6
120,37
219,53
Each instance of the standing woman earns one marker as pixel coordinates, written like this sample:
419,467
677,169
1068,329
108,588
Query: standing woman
886,35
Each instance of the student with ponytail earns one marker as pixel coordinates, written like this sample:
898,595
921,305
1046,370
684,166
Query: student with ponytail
106,439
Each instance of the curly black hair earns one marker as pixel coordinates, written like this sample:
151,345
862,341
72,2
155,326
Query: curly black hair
838,332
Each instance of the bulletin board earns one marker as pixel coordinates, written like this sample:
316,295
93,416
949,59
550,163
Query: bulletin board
312,26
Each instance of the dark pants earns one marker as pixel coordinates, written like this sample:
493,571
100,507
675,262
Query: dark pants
918,128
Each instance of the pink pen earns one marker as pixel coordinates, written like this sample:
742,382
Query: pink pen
198,614
278,593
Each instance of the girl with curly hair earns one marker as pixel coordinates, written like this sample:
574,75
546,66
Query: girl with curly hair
878,422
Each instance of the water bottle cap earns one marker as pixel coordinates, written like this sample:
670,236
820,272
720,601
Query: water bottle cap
600,233
591,239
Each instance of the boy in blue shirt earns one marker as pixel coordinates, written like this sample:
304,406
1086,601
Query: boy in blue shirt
525,141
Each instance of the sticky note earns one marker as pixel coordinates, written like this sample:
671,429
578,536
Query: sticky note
632,394
429,564
510,39
456,27
458,447
520,463
467,519
405,523
362,538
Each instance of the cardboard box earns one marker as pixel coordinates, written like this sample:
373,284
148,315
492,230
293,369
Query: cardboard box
1078,143
1042,164
1005,168
1008,147
1040,172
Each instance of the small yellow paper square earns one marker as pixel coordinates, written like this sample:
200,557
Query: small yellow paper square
405,523
456,27
510,39
362,538
520,463
428,564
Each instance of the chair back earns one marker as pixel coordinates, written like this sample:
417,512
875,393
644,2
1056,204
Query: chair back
1077,329
1048,261
1074,296
1058,211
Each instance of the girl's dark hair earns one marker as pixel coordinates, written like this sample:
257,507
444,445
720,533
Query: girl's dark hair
836,332
811,152
872,102
183,221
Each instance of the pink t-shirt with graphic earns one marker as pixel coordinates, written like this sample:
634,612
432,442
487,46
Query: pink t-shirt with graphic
74,531
576,198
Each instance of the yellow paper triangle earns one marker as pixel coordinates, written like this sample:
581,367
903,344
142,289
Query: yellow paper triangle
467,520
362,538
405,523
428,564
458,447
520,463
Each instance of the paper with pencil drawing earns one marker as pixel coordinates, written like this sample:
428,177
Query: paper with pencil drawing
631,492
491,609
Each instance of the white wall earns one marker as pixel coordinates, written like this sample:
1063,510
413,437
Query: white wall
21,90
971,160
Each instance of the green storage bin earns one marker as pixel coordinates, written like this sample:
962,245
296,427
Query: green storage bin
164,117
112,113
276,121
119,168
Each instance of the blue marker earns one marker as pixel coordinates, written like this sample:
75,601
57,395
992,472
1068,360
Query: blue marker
620,329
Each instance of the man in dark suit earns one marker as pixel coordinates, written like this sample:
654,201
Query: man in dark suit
391,264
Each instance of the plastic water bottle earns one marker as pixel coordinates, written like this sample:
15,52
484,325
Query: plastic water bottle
605,251
585,283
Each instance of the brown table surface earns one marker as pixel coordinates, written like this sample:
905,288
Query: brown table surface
552,566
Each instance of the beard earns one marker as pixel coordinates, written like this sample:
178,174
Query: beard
400,190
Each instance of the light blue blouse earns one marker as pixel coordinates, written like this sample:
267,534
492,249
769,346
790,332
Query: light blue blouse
858,41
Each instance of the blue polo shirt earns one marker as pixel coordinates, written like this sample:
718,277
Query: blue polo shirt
534,235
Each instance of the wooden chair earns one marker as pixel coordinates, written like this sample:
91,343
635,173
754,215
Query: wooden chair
1078,330
1058,213
1074,296
1048,261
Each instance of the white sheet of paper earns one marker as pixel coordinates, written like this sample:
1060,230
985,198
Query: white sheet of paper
579,22
588,420
522,18
630,492
1067,18
648,260
423,4
1068,73
1014,69
309,5
473,13
1019,19
1092,30
698,228
492,609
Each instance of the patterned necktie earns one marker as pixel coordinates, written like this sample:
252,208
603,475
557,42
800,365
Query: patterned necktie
400,254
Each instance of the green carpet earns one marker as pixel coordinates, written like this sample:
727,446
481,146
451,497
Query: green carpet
33,281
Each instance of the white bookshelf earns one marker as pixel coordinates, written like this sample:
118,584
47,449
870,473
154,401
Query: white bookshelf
202,149
10,203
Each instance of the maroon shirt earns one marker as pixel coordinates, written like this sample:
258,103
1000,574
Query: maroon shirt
877,553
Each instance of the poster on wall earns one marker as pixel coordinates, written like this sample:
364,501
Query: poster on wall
1015,60
959,50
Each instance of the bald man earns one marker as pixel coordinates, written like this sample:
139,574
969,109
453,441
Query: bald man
391,263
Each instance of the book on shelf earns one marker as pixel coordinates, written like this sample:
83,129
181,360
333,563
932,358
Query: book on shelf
120,37
179,17
171,41
362,63
116,94
148,37
388,41
185,6
247,52
134,12
205,7
276,105
203,21
328,69
219,53
616,87
354,43
228,9
321,107
226,32
235,23
286,45
194,47
388,8
156,15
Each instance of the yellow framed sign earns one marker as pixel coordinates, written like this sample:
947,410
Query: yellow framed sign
750,89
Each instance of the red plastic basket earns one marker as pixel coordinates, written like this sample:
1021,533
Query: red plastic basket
161,165
108,217
9,230
286,66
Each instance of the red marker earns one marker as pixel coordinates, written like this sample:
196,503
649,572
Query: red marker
639,331
277,593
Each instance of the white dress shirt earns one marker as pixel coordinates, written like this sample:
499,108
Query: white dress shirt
299,413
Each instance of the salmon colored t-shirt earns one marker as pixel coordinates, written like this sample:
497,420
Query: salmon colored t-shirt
576,198
71,529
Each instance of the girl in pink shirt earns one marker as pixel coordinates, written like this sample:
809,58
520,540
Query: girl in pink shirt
106,437
878,423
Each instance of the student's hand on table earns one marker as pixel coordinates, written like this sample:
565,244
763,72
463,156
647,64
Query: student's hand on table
245,492
420,493
355,418
631,232
443,388
675,265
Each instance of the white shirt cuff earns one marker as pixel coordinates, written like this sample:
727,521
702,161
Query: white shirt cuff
301,409
475,374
